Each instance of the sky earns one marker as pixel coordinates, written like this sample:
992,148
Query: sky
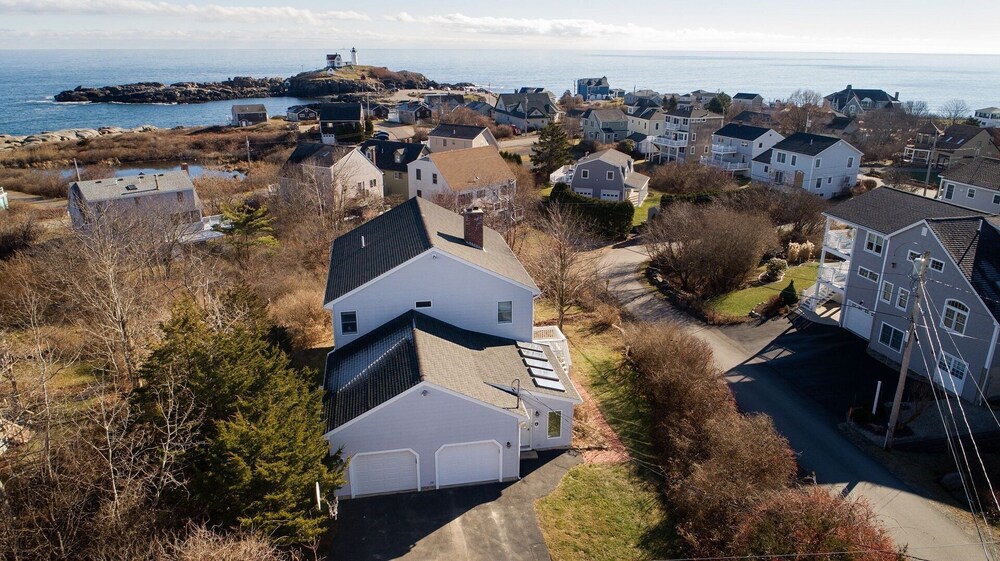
889,26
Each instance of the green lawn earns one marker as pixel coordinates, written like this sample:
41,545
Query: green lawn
602,512
652,199
740,303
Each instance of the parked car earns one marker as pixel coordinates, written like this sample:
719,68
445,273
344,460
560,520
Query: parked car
516,129
381,135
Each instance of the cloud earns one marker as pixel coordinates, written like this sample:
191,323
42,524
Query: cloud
206,12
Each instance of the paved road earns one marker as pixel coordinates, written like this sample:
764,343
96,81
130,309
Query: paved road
924,525
494,522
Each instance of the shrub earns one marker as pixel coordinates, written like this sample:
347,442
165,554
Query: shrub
790,296
869,184
776,268
771,307
611,218
688,178
511,157
706,197
17,233
800,252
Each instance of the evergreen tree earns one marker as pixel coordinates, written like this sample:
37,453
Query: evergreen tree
789,296
245,228
551,151
719,104
261,448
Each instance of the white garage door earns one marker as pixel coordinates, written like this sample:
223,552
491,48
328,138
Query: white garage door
584,192
383,472
469,462
858,320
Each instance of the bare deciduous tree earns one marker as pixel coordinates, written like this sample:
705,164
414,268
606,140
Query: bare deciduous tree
954,110
800,112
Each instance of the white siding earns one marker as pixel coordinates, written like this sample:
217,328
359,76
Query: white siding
425,184
539,424
424,424
460,294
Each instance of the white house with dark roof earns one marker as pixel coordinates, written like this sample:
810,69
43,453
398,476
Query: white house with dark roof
748,101
341,122
735,145
455,137
822,165
987,116
438,378
866,265
973,183
337,174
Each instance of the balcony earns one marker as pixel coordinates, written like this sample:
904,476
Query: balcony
672,126
840,241
669,142
834,275
723,149
724,165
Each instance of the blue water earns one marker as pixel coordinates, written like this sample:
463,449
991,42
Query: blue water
29,79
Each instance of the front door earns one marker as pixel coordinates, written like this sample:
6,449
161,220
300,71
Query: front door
526,433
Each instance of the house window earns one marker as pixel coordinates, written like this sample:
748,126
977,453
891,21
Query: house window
903,299
949,191
180,197
706,149
887,289
371,183
584,174
766,168
955,316
348,322
911,255
794,157
418,174
781,157
505,312
420,193
952,365
868,274
554,429
937,265
819,182
434,178
760,145
819,162
423,304
744,144
850,162
874,243
996,199
891,337
694,137
397,175
611,175
971,193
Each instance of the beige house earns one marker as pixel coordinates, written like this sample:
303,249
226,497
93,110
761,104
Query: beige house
456,137
392,158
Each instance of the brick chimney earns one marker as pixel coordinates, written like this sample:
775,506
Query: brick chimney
185,168
473,217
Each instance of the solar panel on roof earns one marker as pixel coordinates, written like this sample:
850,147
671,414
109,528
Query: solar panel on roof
531,354
549,384
529,346
547,374
534,362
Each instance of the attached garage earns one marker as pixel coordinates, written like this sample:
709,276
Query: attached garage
468,462
858,320
394,471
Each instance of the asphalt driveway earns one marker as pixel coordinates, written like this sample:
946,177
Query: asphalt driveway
477,523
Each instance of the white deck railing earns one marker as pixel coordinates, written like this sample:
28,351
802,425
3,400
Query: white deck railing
840,240
552,336
835,274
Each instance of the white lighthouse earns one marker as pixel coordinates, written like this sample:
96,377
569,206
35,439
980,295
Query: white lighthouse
354,56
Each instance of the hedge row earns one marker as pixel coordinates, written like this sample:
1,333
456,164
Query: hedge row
610,218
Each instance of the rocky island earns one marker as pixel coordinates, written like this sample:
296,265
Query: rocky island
312,84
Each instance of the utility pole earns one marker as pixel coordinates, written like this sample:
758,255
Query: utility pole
248,153
76,166
927,178
919,269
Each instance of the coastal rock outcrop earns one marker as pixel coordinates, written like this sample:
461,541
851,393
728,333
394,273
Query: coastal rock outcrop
181,92
11,142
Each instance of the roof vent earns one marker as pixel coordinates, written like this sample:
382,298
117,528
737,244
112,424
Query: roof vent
131,187
362,242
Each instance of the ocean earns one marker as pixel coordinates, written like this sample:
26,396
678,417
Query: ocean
30,78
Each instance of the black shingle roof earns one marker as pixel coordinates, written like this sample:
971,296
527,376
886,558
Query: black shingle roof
743,95
742,132
317,154
383,243
806,143
463,132
415,347
974,246
753,117
350,112
981,172
387,150
956,136
886,210
764,157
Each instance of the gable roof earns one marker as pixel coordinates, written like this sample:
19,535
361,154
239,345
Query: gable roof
537,101
692,113
748,96
605,115
806,143
602,81
609,155
764,157
974,245
387,150
649,113
980,172
415,348
955,136
341,112
463,132
845,95
887,210
469,168
405,232
317,154
133,186
752,117
741,131
250,108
